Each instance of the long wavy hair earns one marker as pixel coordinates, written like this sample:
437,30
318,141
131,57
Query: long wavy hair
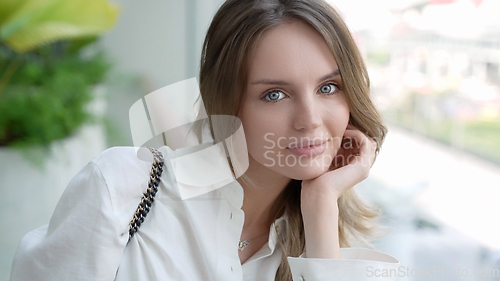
230,39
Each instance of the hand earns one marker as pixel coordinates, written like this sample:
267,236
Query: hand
349,167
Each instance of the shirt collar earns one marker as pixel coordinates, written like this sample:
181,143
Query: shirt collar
278,229
199,169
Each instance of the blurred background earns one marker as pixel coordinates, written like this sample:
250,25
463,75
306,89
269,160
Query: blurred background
70,70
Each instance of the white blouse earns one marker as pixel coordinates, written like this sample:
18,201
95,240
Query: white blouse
190,239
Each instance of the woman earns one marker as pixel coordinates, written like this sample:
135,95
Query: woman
290,71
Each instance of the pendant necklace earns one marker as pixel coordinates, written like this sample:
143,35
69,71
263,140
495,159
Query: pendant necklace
244,243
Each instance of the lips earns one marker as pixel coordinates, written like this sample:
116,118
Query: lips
307,143
309,151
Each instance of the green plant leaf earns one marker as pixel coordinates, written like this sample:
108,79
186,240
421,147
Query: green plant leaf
77,44
47,98
9,8
40,22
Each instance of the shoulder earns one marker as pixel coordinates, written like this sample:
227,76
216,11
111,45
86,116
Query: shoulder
120,161
126,173
116,153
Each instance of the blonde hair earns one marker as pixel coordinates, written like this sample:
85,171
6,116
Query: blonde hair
230,39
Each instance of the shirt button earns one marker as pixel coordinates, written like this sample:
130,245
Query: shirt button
301,278
231,217
231,268
277,228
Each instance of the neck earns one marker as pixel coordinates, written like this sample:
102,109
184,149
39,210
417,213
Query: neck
261,203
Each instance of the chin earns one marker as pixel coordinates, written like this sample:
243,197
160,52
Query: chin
303,173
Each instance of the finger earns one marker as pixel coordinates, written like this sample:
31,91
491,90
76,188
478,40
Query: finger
366,146
353,139
351,127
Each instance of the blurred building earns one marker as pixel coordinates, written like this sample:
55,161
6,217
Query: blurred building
435,70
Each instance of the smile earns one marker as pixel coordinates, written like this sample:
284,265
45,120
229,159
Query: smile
310,151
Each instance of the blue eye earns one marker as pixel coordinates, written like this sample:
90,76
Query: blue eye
273,96
328,88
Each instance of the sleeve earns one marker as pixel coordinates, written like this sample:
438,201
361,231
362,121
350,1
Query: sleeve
356,264
83,240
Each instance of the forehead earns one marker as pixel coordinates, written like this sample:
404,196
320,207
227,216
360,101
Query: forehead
291,50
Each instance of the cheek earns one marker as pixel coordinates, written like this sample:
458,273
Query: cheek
261,132
338,118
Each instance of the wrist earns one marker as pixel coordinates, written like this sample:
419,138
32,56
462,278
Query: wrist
320,207
316,193
322,236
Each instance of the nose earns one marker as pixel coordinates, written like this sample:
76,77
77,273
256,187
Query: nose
307,115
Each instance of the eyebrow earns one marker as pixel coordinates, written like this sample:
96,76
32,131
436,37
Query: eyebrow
282,82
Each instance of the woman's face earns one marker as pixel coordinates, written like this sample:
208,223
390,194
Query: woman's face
293,94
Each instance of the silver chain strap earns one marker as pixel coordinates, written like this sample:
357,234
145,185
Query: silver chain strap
149,195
